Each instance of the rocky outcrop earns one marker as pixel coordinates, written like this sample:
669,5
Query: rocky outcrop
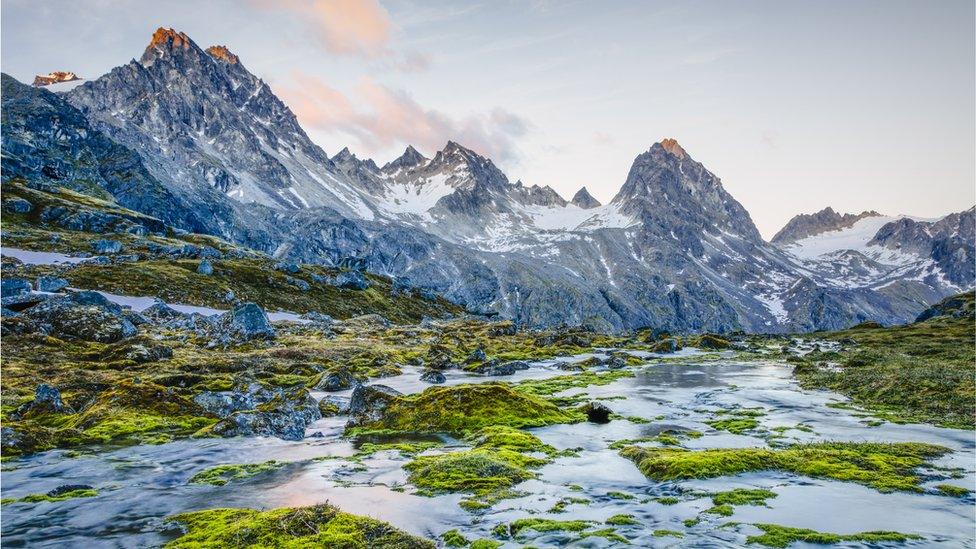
285,416
804,225
86,315
369,401
54,78
585,200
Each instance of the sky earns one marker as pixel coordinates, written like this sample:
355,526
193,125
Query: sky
795,105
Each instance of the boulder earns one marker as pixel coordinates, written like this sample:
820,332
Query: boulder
104,246
616,362
336,379
162,314
369,401
333,406
435,377
83,318
286,416
495,368
711,341
142,354
667,345
244,323
597,412
247,394
478,355
351,280
10,287
205,268
51,284
47,400
17,206
290,268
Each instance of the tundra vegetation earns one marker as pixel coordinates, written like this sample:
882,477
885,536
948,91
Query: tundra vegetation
70,383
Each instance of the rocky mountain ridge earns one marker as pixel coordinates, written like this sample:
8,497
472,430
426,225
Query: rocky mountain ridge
672,249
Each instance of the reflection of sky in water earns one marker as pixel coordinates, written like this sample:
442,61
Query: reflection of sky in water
141,485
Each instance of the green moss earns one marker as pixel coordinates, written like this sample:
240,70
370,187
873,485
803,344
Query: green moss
885,467
453,538
721,510
953,491
782,536
921,372
661,533
609,534
619,495
668,500
467,408
546,525
222,474
408,449
35,498
743,496
690,522
317,526
621,520
557,384
561,505
485,544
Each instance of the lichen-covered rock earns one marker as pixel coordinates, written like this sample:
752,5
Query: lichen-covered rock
162,314
142,354
597,412
667,345
51,284
106,246
47,400
243,323
247,394
285,416
10,287
711,341
435,377
369,401
17,205
495,368
333,406
351,280
81,316
205,268
336,379
478,355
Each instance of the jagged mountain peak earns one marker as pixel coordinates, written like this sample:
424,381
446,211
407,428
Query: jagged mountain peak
54,78
165,41
671,145
585,200
827,219
410,158
221,53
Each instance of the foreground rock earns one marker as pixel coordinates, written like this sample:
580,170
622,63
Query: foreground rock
597,412
285,416
369,402
86,315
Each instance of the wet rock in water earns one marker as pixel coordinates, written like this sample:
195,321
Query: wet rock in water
336,379
104,246
67,488
494,368
333,406
246,394
285,416
667,345
47,400
205,268
597,412
369,401
351,280
10,287
17,205
433,376
51,284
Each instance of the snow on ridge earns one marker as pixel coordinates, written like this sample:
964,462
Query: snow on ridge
855,237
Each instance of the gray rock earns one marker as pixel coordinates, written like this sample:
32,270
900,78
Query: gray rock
51,284
47,400
205,268
17,205
106,246
14,287
351,280
230,296
290,268
244,323
148,353
336,379
333,406
285,416
495,368
433,376
369,401
67,318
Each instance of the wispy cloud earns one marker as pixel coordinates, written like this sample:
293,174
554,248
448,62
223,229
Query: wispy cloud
348,27
381,118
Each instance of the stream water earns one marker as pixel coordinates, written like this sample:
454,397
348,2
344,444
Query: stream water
139,486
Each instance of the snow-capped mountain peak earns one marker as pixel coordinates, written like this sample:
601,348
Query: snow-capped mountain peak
584,199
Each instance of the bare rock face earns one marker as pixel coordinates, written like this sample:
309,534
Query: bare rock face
54,78
804,225
585,200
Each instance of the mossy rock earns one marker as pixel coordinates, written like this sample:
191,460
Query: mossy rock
711,341
466,408
317,526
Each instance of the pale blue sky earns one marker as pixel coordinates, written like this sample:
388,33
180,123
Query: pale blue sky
795,105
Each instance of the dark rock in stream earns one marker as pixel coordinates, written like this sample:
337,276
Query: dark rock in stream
369,401
433,376
494,368
597,412
285,416
337,379
66,488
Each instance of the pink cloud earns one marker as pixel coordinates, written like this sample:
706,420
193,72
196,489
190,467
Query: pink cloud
349,27
383,118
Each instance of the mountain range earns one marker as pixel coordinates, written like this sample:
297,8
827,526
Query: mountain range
190,136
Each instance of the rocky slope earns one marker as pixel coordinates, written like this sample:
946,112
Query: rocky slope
673,249
804,225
